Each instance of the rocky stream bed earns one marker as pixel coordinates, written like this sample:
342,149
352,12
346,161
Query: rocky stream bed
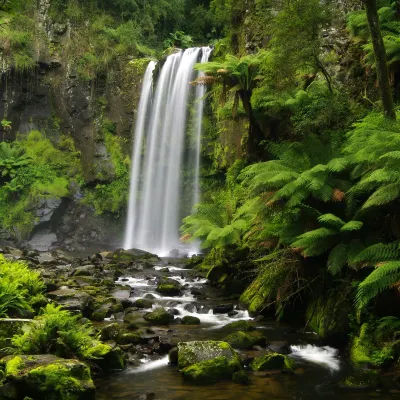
168,331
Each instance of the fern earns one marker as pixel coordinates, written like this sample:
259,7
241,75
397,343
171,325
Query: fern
384,277
337,259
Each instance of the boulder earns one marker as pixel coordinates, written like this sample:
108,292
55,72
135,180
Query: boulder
169,287
210,371
73,300
47,376
143,303
272,361
189,320
190,353
223,309
159,317
239,326
108,357
245,340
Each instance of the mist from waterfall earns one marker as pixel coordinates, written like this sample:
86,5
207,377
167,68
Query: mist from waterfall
155,195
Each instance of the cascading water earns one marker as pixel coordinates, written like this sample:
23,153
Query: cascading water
154,209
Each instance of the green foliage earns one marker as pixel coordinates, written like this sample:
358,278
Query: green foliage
178,39
57,331
357,25
33,169
20,288
111,196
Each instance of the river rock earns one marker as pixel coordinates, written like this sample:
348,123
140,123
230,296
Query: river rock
197,351
280,347
169,287
246,340
272,361
143,303
241,325
190,320
223,308
73,300
47,376
159,317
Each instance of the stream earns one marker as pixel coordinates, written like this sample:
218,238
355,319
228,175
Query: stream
318,371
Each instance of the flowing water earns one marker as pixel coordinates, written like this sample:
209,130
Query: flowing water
318,369
155,205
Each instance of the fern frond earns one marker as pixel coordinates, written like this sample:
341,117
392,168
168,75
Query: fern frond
381,279
337,258
331,220
379,252
352,226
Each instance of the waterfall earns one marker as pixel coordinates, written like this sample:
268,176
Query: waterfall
154,209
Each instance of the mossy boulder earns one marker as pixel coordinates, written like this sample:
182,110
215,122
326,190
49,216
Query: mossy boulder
362,347
128,338
132,255
143,303
272,361
159,317
189,320
241,325
106,356
190,353
210,371
48,377
169,287
362,379
328,316
241,377
246,340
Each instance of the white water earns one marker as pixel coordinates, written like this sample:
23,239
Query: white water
150,365
325,356
154,210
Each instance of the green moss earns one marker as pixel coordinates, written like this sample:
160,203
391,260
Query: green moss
159,317
97,351
272,361
189,320
245,340
210,371
169,287
328,315
14,368
68,383
143,303
262,291
129,337
362,347
241,377
241,325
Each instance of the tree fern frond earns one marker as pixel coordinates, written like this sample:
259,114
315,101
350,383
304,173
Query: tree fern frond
379,252
352,226
381,279
337,258
384,195
331,220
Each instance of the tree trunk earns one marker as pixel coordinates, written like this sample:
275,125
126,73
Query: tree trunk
255,132
382,70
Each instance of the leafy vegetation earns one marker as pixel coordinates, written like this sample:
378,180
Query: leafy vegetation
20,288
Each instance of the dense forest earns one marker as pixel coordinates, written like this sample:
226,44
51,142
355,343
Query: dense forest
299,217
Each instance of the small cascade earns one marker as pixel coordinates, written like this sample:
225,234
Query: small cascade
325,356
154,210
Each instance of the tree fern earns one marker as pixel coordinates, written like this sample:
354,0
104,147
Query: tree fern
379,252
384,277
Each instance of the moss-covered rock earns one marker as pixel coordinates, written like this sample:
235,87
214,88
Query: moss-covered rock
240,325
169,287
159,317
362,347
197,351
241,377
143,303
328,316
49,377
107,357
262,291
362,379
272,361
210,371
189,320
128,338
246,340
